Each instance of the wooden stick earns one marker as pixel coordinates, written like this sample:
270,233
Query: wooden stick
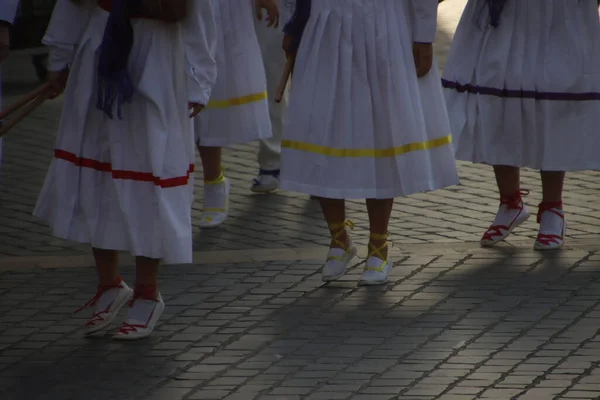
24,100
8,125
285,77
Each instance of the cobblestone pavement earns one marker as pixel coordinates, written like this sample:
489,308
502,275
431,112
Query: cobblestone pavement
251,319
494,325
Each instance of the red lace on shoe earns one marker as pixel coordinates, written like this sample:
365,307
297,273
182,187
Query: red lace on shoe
549,239
512,203
146,292
97,317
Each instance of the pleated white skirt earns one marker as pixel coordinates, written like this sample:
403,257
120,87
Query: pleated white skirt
238,111
360,124
126,184
527,93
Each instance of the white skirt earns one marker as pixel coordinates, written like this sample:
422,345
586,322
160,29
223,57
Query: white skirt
360,124
126,184
527,93
238,111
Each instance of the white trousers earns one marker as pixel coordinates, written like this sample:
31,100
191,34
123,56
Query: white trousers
269,153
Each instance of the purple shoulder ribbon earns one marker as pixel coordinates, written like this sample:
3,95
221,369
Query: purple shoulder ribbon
295,26
115,87
495,7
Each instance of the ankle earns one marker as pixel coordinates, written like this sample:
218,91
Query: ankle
340,240
513,200
555,207
552,203
110,282
378,250
215,179
146,292
378,245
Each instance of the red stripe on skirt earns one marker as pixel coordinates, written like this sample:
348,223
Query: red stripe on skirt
123,174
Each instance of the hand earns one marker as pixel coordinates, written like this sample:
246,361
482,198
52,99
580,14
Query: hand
288,45
4,42
196,108
58,82
272,9
423,54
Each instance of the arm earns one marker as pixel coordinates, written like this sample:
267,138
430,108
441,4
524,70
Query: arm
200,45
425,20
64,32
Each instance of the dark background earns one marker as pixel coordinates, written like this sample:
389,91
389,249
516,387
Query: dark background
32,19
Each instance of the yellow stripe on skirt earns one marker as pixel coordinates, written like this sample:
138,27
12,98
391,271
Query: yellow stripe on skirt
238,101
374,153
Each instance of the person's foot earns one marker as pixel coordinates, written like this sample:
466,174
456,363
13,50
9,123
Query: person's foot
511,213
553,226
266,181
107,303
341,252
378,265
141,319
337,262
216,203
376,271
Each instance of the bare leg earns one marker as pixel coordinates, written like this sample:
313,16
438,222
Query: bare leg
146,283
107,266
334,211
379,217
508,180
552,186
211,162
550,212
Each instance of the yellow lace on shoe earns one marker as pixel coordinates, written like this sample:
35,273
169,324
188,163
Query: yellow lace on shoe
337,231
220,180
217,181
376,251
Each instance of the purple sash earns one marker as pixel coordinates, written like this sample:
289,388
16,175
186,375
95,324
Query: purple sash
114,83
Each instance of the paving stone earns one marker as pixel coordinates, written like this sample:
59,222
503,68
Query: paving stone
209,395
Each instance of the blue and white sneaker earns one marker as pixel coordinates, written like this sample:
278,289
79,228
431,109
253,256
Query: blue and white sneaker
266,181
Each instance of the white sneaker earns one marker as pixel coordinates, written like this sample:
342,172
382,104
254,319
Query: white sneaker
141,319
376,271
266,181
511,213
107,303
216,203
553,227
